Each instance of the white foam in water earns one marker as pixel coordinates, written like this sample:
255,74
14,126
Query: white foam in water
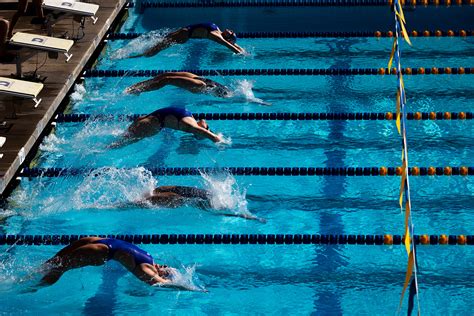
243,90
94,132
109,187
224,140
78,94
140,44
184,280
226,195
51,143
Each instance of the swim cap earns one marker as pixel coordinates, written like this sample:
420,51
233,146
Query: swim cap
231,37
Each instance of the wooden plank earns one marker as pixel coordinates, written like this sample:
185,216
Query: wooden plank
25,130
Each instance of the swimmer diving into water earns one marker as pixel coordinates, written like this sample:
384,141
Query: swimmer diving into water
190,82
184,80
170,117
208,30
95,251
176,196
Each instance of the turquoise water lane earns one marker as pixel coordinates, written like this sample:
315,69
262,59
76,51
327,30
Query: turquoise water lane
256,279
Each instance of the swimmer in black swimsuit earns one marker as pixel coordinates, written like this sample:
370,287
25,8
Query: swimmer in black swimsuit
95,251
176,196
208,30
184,80
171,117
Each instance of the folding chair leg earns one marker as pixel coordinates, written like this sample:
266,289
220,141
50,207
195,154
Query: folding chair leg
18,65
37,102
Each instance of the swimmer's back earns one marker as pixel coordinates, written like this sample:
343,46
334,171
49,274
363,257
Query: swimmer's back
209,26
178,113
186,192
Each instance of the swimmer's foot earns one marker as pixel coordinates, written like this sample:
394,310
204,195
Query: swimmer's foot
132,90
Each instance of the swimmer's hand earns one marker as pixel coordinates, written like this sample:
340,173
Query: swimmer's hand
220,139
171,285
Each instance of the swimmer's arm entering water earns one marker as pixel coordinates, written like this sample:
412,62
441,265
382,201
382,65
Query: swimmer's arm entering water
154,279
200,132
233,47
207,134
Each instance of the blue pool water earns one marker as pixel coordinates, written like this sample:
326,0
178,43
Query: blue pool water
257,279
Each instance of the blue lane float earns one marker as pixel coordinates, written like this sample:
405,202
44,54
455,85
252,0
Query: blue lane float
322,116
262,171
376,34
243,239
92,73
290,3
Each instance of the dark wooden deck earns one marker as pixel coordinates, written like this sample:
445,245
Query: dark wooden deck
24,130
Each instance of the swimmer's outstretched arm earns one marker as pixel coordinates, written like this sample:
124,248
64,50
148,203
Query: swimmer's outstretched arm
202,132
233,47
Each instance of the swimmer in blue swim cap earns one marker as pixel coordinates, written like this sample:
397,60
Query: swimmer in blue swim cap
170,117
184,80
95,251
207,30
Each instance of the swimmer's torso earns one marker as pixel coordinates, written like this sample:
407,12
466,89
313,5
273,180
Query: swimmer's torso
169,116
131,251
175,196
201,30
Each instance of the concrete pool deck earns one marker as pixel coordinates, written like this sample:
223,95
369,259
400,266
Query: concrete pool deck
23,131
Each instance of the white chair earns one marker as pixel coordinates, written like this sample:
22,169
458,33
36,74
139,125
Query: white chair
42,43
21,88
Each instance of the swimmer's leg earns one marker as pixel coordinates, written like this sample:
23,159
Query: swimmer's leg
141,128
193,85
178,37
166,199
87,255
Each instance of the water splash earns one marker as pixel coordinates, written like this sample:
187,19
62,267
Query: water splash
140,44
184,279
94,132
224,140
243,90
78,94
110,187
226,196
52,143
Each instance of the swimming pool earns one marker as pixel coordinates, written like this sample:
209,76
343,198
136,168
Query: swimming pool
258,279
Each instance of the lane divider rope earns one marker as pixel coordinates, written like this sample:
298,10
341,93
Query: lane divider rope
263,171
377,34
284,72
295,3
244,239
373,116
